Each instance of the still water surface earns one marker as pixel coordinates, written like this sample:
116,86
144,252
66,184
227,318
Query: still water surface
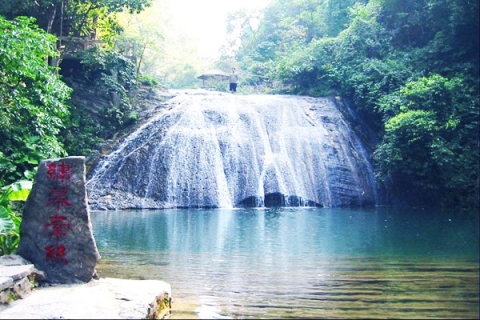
299,262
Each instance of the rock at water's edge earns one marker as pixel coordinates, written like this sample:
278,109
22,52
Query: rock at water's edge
107,298
56,233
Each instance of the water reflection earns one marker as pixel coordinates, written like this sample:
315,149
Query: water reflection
300,262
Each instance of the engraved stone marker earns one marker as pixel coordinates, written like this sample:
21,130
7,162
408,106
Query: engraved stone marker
56,232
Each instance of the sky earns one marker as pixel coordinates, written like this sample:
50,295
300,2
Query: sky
205,20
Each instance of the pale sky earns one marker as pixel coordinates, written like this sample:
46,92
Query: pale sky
206,20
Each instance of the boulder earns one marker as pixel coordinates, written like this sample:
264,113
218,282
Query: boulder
56,232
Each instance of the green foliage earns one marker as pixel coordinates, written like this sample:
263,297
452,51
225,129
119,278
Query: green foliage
360,64
431,139
114,74
84,132
149,81
109,69
32,99
281,48
76,18
407,136
113,77
10,219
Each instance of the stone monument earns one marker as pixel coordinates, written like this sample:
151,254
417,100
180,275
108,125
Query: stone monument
56,233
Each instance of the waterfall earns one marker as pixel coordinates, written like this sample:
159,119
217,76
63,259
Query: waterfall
212,149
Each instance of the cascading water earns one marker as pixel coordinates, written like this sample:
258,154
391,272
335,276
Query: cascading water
214,149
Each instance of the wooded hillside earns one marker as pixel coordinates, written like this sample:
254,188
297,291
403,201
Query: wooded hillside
410,68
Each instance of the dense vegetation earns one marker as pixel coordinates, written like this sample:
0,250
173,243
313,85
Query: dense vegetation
38,121
32,99
410,67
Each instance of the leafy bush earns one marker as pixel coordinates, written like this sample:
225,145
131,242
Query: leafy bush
32,99
83,134
10,219
147,80
431,140
113,78
115,75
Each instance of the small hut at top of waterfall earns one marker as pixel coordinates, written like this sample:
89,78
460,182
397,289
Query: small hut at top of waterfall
212,77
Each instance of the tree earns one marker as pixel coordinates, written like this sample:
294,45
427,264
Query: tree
74,18
430,146
32,99
280,48
70,18
165,51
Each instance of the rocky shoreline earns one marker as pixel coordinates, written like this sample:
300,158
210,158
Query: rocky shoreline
106,298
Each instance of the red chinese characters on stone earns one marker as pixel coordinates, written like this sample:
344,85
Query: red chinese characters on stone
58,197
61,172
56,253
58,226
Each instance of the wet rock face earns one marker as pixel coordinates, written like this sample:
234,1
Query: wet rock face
56,232
221,150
